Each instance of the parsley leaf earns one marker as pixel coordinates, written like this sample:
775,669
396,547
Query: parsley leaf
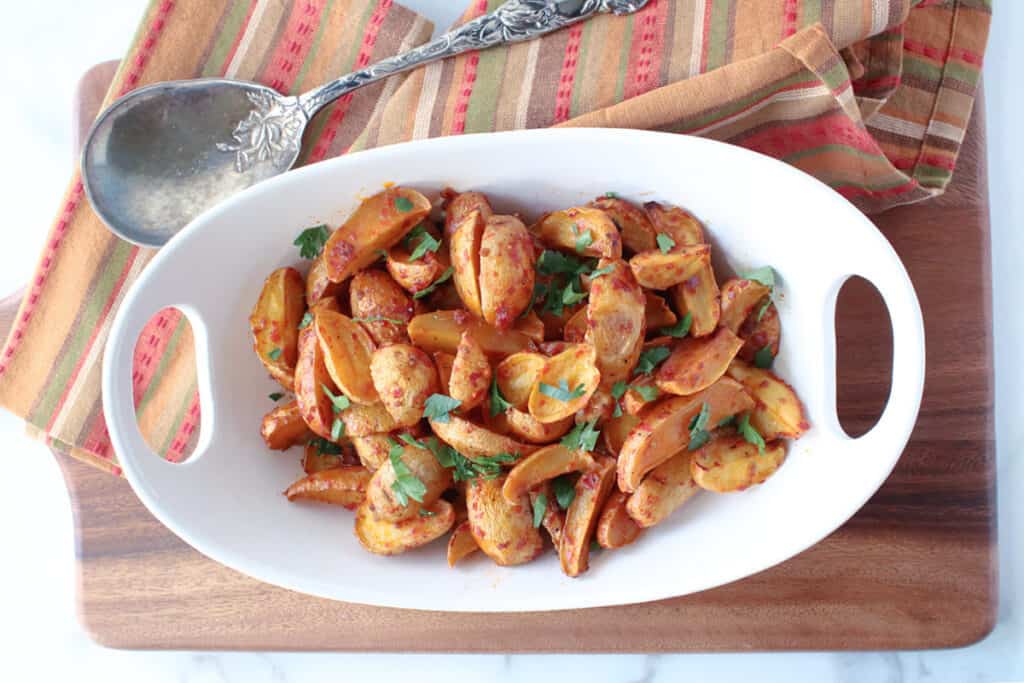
611,195
665,243
311,241
276,396
463,468
445,276
274,353
555,263
566,286
339,401
763,358
561,392
650,359
337,428
601,271
378,319
438,406
403,204
583,437
564,489
572,294
699,435
584,241
540,506
698,439
680,329
306,320
765,275
647,392
411,440
750,433
725,422
426,513
325,447
618,391
406,484
489,466
427,242
595,547
498,403
764,307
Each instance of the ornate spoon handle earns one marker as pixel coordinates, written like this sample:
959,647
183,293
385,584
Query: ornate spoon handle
512,22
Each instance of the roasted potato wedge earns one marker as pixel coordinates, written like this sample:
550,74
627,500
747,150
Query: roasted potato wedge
442,330
311,377
543,465
554,519
404,377
569,230
634,401
615,528
344,486
347,350
663,491
372,450
731,464
313,460
555,324
636,228
677,223
576,328
615,322
566,384
444,362
380,306
384,537
275,321
506,270
759,334
778,411
657,313
532,326
364,420
658,270
474,441
414,276
386,503
465,258
377,224
458,205
516,376
283,427
524,426
503,530
665,429
471,374
598,409
740,298
616,430
318,284
696,364
592,490
698,296
461,543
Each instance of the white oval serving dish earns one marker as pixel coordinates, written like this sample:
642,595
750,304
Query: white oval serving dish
226,500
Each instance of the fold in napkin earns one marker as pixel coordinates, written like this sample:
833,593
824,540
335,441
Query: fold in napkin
871,96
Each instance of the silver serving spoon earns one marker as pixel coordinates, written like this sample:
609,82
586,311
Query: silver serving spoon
161,155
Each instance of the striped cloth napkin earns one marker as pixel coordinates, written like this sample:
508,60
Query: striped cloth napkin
871,96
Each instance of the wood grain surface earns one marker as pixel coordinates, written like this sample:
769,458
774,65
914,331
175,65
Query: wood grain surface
915,568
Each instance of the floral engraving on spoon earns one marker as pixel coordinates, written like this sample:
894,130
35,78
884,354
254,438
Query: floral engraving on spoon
272,132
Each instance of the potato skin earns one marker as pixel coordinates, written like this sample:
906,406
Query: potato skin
663,491
318,283
506,270
516,376
656,270
592,490
471,374
696,364
636,228
730,464
541,466
442,330
657,314
283,427
474,441
528,428
383,537
404,378
461,543
373,294
698,296
372,450
344,486
274,324
378,223
562,229
458,205
364,420
310,378
615,321
740,298
615,528
381,496
778,411
676,222
503,530
464,250
347,350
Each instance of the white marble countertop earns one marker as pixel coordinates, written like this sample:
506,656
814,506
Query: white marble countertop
39,631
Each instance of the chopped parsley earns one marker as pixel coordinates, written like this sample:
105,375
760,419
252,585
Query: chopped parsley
378,319
403,204
311,241
339,401
611,195
445,276
763,358
427,242
406,484
540,506
498,403
647,392
650,359
618,391
337,428
426,513
306,320
665,243
276,396
601,271
561,392
438,407
583,437
750,433
765,276
680,329
325,447
562,283
699,435
274,353
583,239
564,489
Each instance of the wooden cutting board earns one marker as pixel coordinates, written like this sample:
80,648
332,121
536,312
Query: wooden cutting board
915,568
